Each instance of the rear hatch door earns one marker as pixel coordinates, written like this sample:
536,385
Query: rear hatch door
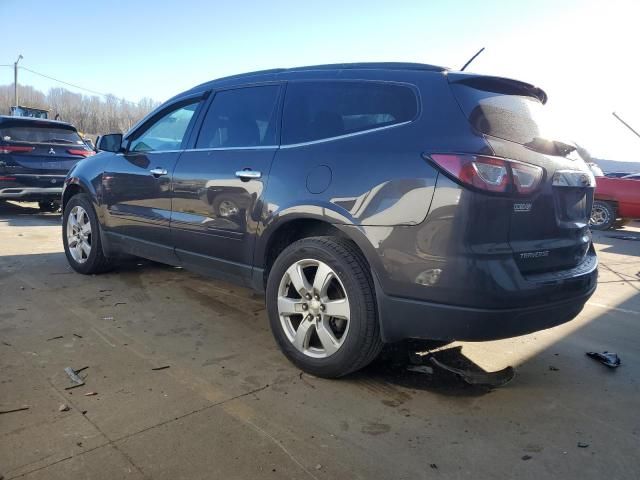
549,229
39,147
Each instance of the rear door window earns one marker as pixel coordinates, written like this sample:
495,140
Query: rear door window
241,118
39,132
325,109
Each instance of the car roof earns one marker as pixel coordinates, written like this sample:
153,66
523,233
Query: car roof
284,73
38,120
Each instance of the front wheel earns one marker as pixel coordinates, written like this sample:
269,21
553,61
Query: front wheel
81,237
321,305
603,215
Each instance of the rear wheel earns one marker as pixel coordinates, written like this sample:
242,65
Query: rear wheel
321,306
603,215
81,237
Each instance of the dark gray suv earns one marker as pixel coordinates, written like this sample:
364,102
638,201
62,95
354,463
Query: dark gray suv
371,202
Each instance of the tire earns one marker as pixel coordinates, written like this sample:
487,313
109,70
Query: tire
49,206
334,345
603,215
85,261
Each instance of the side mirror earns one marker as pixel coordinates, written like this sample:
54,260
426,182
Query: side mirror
89,143
110,143
95,145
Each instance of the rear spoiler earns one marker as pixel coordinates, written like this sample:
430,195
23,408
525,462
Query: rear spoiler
501,85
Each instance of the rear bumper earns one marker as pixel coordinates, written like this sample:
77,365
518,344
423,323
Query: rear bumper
403,318
31,193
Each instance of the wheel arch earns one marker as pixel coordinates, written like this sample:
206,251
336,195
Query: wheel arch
290,228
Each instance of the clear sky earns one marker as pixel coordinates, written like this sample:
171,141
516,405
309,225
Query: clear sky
585,54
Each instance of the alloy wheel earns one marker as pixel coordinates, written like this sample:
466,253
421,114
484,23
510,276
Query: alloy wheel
599,216
79,234
313,307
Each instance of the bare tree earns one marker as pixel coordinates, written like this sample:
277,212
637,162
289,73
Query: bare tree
90,114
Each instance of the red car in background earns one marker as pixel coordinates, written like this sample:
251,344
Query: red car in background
617,202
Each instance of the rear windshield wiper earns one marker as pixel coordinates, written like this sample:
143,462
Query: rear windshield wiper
550,147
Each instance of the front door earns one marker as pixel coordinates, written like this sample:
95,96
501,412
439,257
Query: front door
137,183
219,184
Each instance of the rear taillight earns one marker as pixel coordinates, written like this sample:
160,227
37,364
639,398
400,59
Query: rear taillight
15,149
7,179
492,174
81,151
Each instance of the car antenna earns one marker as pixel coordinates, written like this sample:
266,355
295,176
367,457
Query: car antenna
472,59
625,124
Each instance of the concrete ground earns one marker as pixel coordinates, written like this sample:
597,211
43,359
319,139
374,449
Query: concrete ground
231,406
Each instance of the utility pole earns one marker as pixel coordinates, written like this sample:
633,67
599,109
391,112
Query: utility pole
15,80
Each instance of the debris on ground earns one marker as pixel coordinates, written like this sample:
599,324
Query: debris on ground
161,368
119,303
90,394
318,467
434,466
73,375
7,344
55,338
491,379
526,457
11,410
553,368
77,335
420,369
609,359
107,318
582,445
64,408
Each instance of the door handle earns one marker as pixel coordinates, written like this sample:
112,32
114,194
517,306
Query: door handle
247,175
158,172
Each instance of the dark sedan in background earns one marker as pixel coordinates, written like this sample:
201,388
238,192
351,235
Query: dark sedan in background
35,156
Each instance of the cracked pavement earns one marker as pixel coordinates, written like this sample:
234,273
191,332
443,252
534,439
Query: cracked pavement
231,406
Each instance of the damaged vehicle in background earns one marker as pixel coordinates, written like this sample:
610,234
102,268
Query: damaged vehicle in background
35,156
617,202
370,202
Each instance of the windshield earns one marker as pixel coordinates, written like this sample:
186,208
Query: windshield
39,133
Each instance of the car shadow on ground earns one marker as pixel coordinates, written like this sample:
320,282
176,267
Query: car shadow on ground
26,214
623,241
407,365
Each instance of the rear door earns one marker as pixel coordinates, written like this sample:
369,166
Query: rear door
548,229
137,182
218,185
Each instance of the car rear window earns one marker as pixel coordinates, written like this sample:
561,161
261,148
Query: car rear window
38,133
505,109
325,109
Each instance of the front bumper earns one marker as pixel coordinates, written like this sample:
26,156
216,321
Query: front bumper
402,318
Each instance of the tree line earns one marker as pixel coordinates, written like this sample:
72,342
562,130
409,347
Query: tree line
90,114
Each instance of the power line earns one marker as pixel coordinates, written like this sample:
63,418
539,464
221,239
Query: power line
63,82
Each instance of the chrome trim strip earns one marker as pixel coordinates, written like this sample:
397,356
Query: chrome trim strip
22,192
348,135
215,149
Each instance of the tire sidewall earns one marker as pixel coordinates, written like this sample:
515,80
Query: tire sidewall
359,313
83,201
